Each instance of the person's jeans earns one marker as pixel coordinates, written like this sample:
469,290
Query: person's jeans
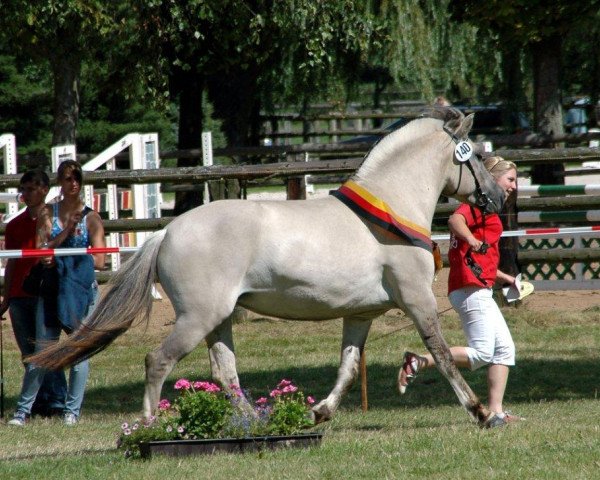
53,390
34,375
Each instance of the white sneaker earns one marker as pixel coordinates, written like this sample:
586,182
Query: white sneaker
19,419
70,419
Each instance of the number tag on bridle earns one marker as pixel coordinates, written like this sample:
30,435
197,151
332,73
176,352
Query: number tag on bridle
463,151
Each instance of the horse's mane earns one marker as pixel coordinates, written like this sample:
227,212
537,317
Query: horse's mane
432,119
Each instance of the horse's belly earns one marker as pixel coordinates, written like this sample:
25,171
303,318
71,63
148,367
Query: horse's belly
300,302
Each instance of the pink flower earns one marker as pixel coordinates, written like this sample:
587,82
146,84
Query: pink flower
284,383
182,384
127,431
207,387
180,429
274,393
289,389
310,400
262,401
124,426
164,404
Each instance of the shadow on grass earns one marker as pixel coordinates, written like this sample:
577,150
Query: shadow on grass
530,381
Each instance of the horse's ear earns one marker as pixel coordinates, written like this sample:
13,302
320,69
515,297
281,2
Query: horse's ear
465,126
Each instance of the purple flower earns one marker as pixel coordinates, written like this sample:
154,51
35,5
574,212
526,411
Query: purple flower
310,400
127,431
124,426
180,429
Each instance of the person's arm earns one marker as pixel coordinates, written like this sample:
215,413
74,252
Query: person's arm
504,278
96,232
458,226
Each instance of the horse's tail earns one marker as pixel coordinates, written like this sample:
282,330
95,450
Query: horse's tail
129,298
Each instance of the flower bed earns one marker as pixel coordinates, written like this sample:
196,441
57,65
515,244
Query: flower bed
205,419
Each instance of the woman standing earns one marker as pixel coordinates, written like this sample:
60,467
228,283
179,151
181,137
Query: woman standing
65,224
474,257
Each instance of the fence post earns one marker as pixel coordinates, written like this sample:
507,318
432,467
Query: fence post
207,160
364,401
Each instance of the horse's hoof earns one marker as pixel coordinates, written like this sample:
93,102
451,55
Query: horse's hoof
494,421
320,414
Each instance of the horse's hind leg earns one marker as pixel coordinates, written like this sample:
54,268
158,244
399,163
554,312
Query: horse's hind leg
186,335
221,355
222,359
354,336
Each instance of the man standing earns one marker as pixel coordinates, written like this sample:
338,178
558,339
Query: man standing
21,234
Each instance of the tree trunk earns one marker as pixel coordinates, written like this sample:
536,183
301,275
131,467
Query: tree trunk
66,71
190,86
234,99
548,110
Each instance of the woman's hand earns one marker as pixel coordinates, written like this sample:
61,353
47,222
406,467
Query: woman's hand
74,220
474,243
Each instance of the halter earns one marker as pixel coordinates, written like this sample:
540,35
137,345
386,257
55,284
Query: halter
482,200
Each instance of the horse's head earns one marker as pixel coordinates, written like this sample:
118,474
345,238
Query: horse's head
468,179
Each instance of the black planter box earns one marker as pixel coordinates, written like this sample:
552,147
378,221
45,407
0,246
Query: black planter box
180,448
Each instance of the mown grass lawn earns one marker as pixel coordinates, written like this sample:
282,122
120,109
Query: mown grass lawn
424,434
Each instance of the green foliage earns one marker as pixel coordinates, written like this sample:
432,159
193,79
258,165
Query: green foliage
25,103
521,23
428,53
289,415
203,414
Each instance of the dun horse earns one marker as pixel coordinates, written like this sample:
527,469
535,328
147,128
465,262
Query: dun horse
355,254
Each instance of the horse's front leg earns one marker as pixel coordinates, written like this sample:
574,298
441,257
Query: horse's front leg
422,308
354,336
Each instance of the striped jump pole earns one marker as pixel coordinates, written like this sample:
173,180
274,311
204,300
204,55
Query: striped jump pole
557,190
64,252
538,232
559,216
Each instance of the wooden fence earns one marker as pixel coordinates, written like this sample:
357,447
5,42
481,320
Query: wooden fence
294,171
285,129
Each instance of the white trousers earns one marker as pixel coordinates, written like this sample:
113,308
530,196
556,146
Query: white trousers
488,337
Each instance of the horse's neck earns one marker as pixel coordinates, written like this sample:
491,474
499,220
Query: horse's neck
408,181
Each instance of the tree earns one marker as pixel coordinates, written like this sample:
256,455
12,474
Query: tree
62,33
247,55
25,103
538,27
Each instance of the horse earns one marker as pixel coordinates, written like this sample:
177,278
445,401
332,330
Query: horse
354,254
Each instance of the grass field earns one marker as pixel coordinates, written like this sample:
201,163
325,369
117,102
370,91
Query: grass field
424,434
